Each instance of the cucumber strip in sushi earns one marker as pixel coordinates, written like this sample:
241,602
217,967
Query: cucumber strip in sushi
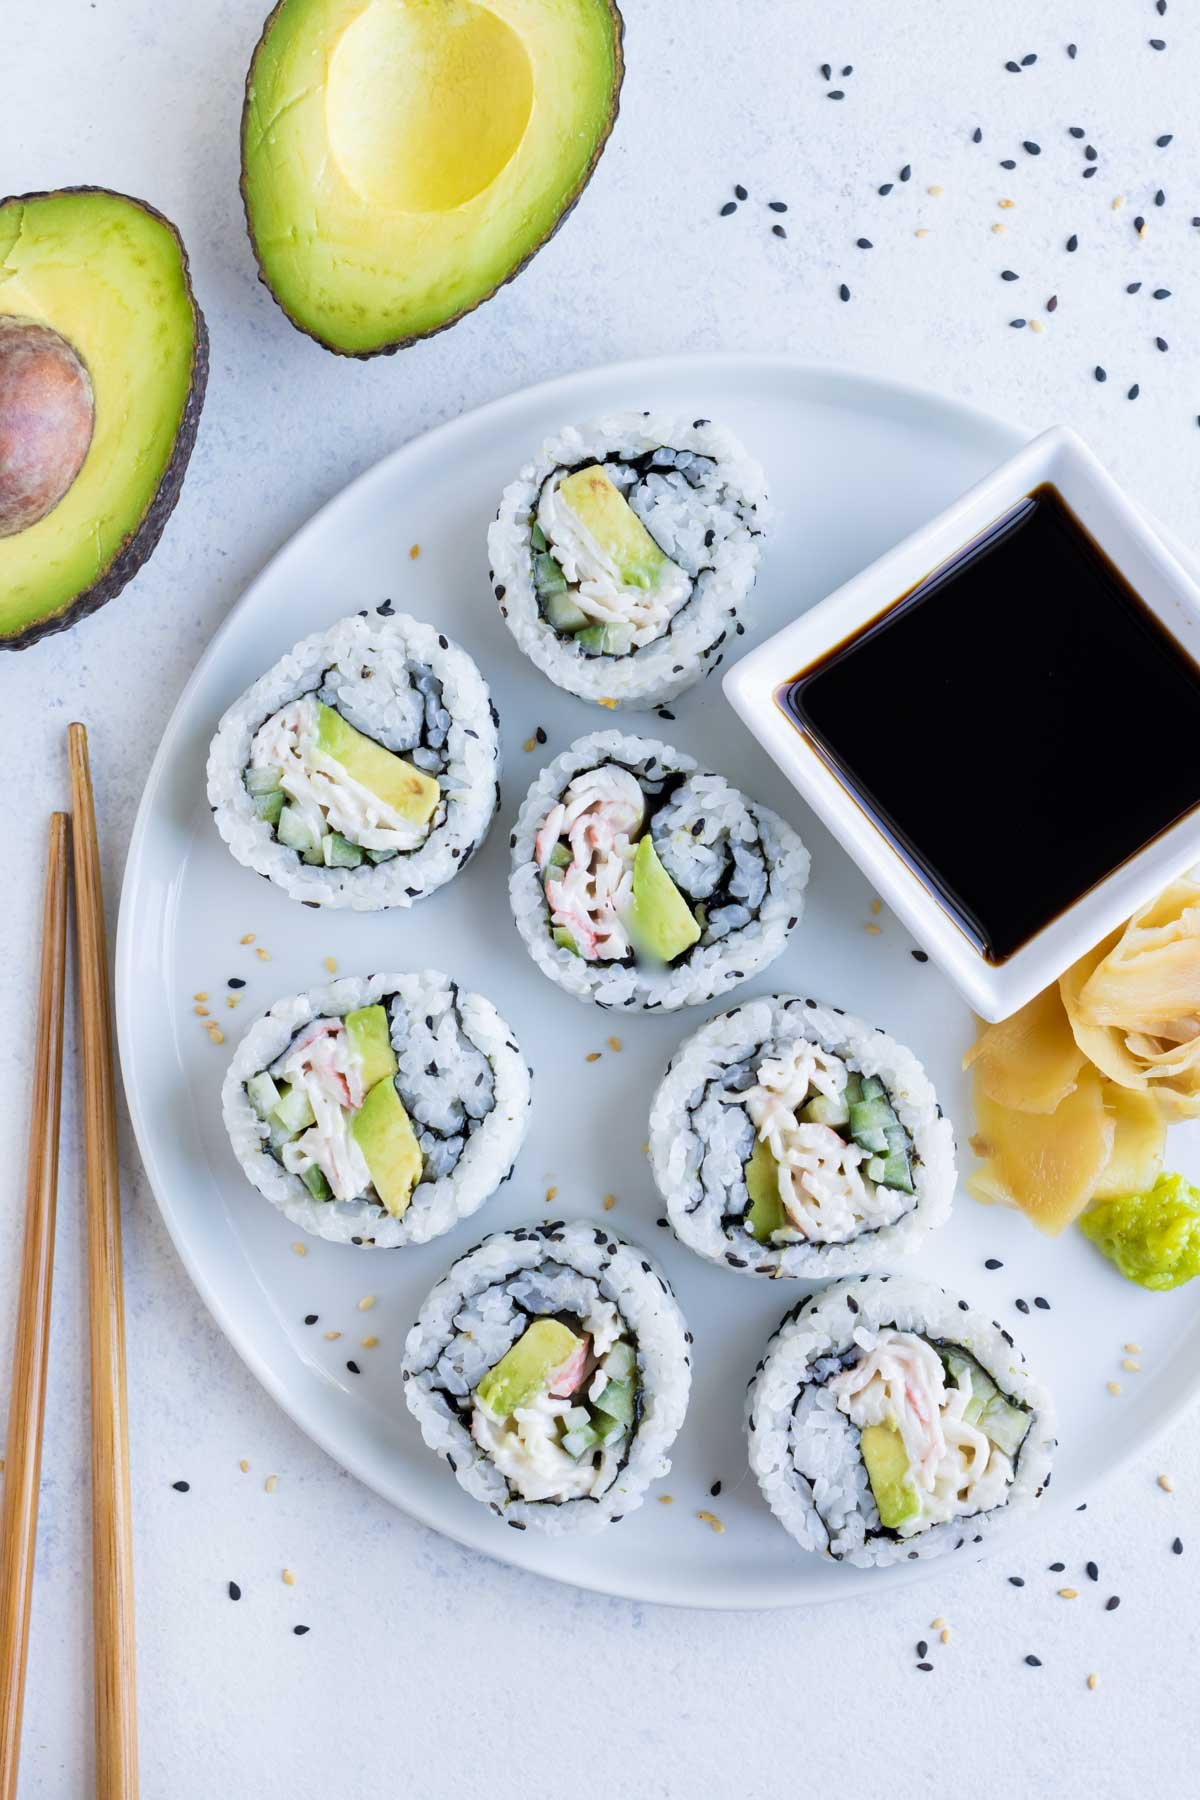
639,879
888,1421
378,1111
550,1368
788,1138
621,554
363,769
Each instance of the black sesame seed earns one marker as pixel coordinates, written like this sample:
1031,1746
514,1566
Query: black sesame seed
354,1368
778,231
777,205
1057,1568
1022,1306
739,192
311,1318
1161,143
235,1592
1016,1581
1093,1573
1134,287
826,71
301,1630
730,206
1101,374
235,981
1013,68
181,1487
906,172
1091,152
924,1667
1039,1300
1027,62
922,1648
1160,198
1034,1662
1072,242
993,1262
1008,163
843,292
1161,344
1158,43
848,70
1177,1546
1138,222
715,1489
1076,131
1082,1507
1030,148
835,94
1017,324
1052,303
863,243
1089,171
1162,293
921,956
1112,1603
977,136
1072,51
1009,275
886,188
1160,7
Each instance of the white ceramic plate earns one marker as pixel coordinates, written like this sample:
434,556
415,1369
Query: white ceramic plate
853,464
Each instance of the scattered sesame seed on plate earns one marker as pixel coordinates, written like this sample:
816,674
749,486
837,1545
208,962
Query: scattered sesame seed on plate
369,1343
1161,344
216,1035
182,1487
551,1193
331,964
906,172
1167,1484
1112,1603
289,1580
1100,373
935,190
1008,163
977,136
231,1001
311,1318
270,1484
300,1630
1157,43
1030,148
593,1056
300,1249
1022,1306
925,1667
614,1043
936,1624
1092,1571
414,550
1009,275
1131,1365
235,1592
244,1466
1072,51
1160,143
1134,287
944,1635
609,1201
1036,325
843,292
201,1012
921,956
1006,204
740,193
1133,393
921,231
1118,202
1073,242
263,955
1068,1593
864,243
200,996
922,1648
714,1490
331,1337
1016,1581
873,930
997,228
666,1499
1093,1682
993,1262
778,231
711,1520
835,94
886,188
529,744
779,206
1114,1387
1041,1302
366,1303
248,939
1056,1568
353,1367
540,733
826,71
1034,1662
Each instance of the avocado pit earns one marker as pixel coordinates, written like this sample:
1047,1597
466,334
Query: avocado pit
47,413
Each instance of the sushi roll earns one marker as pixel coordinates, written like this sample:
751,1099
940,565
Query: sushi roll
888,1421
550,1368
639,879
621,555
788,1138
378,1111
363,769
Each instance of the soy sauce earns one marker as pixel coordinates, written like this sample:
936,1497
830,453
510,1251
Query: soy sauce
1018,725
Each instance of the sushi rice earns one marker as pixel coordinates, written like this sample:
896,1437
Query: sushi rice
385,687
459,1077
738,869
896,1370
544,1452
631,631
773,1079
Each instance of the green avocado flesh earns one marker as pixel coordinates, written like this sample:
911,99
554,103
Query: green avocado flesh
383,1132
1152,1238
659,917
765,1214
526,1369
607,516
403,158
886,1462
409,791
110,277
368,1032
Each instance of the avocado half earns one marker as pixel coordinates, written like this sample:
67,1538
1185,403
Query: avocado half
403,159
103,364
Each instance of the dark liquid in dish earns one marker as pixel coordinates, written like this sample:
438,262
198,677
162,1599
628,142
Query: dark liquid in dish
1018,725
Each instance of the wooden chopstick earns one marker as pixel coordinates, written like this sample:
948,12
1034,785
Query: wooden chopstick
112,1534
27,1402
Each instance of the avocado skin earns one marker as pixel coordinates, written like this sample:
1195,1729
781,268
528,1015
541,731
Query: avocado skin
415,337
141,541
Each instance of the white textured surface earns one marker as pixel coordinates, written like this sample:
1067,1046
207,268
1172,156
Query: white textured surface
145,97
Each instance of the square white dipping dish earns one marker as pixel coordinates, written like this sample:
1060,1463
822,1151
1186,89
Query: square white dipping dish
997,986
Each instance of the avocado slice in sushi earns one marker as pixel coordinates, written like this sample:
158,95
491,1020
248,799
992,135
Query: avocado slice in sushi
383,1132
607,516
765,1214
659,917
368,1032
527,1367
886,1462
408,790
